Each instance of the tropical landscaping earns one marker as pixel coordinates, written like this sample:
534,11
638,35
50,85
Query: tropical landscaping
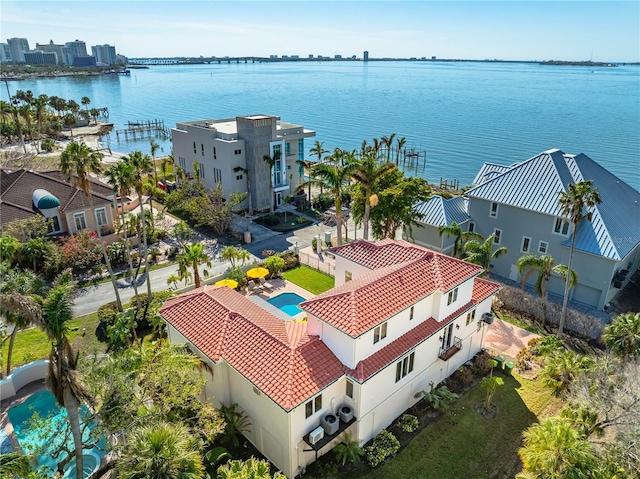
565,412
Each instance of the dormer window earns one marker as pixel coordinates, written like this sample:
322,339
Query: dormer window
453,296
379,333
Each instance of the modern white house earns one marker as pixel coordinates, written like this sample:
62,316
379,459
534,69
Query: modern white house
231,152
400,319
519,204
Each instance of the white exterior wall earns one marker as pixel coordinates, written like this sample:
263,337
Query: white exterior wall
343,265
443,310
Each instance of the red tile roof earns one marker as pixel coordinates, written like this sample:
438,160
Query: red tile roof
278,357
359,305
379,254
482,289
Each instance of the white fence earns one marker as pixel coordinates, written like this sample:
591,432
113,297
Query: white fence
316,262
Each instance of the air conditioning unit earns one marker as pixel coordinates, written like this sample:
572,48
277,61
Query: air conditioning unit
316,435
346,413
487,318
330,423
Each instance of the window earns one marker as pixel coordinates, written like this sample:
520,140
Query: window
453,296
202,169
80,221
53,225
214,153
411,313
313,406
471,316
561,227
288,167
182,162
379,333
349,391
287,149
348,276
542,247
497,236
257,391
101,216
472,227
494,210
195,150
237,152
239,177
526,244
404,366
217,175
202,148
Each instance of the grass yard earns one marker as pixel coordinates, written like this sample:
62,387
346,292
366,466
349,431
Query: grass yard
308,278
463,444
32,344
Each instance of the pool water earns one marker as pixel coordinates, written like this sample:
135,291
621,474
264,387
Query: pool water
287,302
31,439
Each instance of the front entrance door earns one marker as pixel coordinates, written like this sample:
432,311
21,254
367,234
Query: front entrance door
446,339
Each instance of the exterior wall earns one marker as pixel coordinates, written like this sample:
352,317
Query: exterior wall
343,265
429,237
441,310
68,223
594,272
631,263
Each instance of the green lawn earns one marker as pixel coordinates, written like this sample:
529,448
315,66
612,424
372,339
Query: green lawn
309,279
32,344
463,444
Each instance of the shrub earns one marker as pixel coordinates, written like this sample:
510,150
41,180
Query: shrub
290,260
173,252
439,398
117,253
461,378
81,251
270,220
238,275
47,145
275,264
154,253
408,423
301,220
481,363
107,314
348,450
385,445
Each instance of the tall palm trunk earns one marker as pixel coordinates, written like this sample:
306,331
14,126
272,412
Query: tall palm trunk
107,261
339,218
144,249
10,349
130,260
567,282
73,413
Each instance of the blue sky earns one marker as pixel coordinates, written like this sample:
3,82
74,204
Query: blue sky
508,30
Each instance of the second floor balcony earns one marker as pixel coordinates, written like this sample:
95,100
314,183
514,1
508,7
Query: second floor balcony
448,352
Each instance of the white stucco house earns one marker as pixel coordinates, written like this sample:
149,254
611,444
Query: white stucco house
519,204
400,318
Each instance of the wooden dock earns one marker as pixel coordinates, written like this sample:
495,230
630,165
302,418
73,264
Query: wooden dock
142,129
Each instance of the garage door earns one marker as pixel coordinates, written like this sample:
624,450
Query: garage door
587,295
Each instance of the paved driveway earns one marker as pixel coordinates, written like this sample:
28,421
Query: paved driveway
506,339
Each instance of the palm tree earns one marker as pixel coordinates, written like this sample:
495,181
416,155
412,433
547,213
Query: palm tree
142,167
562,367
120,176
193,256
25,284
367,173
76,162
318,151
622,336
85,100
578,197
14,464
161,451
69,121
453,230
95,113
154,149
555,449
387,141
62,379
335,177
401,143
481,253
271,161
164,164
240,169
306,165
40,107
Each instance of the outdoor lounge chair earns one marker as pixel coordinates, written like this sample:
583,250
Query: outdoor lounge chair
265,284
254,287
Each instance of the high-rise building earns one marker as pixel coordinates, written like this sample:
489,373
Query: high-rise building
105,54
38,57
5,53
366,56
18,46
76,48
60,50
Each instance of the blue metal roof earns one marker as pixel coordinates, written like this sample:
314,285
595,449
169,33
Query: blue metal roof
438,211
534,185
489,171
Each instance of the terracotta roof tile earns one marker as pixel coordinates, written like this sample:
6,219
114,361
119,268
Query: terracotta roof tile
278,357
483,288
359,305
379,254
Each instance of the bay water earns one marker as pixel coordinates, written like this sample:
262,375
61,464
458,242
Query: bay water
460,113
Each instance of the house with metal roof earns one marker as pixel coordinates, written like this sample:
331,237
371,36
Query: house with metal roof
434,213
26,193
519,204
401,319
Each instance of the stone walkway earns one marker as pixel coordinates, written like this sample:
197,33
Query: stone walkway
506,339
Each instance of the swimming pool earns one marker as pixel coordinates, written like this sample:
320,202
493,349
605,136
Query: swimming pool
32,440
287,302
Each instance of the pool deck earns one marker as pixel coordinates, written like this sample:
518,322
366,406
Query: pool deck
19,398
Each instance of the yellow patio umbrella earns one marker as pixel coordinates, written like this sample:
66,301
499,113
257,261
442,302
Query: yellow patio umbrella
255,273
230,283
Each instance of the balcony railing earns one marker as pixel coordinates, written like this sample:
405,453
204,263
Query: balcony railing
447,353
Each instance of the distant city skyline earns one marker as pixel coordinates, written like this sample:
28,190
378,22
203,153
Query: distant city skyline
476,30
